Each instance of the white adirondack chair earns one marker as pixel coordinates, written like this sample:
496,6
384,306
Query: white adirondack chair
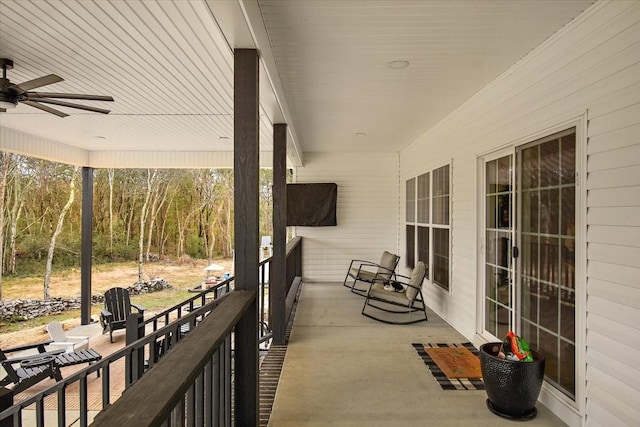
67,343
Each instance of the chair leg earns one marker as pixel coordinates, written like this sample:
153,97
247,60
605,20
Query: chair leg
55,372
111,335
97,372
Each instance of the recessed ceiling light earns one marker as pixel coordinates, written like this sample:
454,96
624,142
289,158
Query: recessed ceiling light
398,64
361,134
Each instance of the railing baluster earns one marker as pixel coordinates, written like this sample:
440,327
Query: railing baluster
62,405
199,400
226,348
216,404
40,412
191,407
208,394
84,407
177,415
106,385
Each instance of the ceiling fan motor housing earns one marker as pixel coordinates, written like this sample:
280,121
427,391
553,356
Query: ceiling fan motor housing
6,97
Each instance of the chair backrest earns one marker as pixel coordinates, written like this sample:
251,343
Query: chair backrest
117,301
56,332
388,263
417,277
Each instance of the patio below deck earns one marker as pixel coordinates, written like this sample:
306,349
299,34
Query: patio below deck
342,368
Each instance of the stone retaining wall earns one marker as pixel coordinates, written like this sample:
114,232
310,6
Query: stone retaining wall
17,310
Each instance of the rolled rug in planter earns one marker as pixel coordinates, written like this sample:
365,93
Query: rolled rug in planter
512,387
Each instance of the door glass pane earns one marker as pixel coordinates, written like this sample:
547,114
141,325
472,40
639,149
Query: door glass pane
530,204
549,164
529,173
546,274
568,159
498,241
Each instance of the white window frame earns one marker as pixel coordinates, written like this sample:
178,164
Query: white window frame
431,225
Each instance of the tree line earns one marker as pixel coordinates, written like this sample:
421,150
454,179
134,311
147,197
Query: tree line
138,214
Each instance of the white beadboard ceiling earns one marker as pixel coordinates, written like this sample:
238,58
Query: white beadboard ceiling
169,66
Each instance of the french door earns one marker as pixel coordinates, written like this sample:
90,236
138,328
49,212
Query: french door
528,253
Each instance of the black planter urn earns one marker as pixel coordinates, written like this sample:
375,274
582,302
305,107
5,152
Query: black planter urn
512,387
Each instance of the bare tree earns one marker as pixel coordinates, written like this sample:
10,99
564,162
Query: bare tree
17,195
159,198
110,175
151,177
4,168
56,233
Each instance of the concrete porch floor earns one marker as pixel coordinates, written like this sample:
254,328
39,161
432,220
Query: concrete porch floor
342,368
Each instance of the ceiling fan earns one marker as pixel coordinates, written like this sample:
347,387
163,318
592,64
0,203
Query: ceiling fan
12,94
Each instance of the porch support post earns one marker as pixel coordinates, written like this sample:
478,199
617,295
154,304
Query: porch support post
86,245
246,164
278,285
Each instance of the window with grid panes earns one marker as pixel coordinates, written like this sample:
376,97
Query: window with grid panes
427,228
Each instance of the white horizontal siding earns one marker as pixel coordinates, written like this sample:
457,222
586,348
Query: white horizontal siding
615,397
21,143
625,236
619,371
592,66
367,212
30,145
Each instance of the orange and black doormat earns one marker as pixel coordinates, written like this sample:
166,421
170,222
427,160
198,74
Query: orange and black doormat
454,366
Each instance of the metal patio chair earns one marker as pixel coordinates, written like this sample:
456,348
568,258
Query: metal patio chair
368,271
400,301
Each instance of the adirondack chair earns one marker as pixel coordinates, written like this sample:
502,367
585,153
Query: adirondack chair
68,343
117,307
26,371
29,369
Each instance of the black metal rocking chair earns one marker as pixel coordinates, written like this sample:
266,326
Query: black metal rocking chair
401,297
367,271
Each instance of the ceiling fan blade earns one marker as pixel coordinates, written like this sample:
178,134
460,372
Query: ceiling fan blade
72,105
35,83
45,108
37,95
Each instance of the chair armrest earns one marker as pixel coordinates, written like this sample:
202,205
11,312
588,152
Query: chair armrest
399,278
105,313
362,263
28,346
62,344
139,308
32,357
76,337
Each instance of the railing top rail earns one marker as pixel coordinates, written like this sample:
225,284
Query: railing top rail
150,400
189,301
291,244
